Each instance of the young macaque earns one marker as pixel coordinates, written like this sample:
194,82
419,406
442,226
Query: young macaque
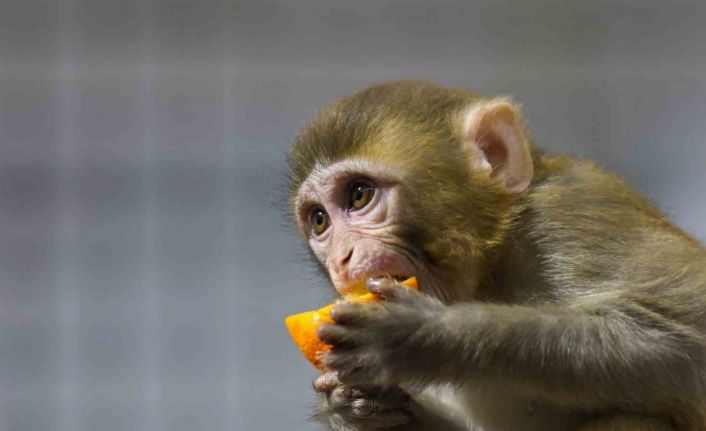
553,297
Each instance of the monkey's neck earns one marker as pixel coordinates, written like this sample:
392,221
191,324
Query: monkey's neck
514,275
513,271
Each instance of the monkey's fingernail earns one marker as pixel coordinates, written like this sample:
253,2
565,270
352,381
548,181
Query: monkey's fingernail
373,284
323,331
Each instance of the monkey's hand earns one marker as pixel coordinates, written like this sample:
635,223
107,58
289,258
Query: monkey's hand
383,343
348,408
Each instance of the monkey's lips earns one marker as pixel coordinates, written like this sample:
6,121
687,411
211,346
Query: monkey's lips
382,267
359,287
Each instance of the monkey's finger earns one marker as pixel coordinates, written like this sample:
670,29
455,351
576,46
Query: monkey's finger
348,312
345,361
359,375
357,367
388,398
391,290
386,416
335,335
327,382
340,396
373,407
368,391
374,284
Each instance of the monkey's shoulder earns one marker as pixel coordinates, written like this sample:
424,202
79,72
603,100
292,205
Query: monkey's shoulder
587,225
567,185
574,200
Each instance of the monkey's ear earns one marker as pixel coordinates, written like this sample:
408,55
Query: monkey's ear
498,144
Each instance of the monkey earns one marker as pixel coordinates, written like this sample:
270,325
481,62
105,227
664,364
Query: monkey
552,296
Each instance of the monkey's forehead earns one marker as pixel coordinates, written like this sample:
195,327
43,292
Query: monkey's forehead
390,119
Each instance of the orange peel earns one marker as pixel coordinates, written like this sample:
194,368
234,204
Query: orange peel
302,326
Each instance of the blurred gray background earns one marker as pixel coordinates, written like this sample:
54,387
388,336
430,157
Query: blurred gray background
145,261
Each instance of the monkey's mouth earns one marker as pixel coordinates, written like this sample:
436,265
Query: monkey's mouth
396,277
359,287
389,266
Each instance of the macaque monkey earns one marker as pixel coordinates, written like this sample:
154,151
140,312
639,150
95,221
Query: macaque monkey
553,297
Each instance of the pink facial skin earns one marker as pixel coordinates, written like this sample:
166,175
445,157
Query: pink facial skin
358,244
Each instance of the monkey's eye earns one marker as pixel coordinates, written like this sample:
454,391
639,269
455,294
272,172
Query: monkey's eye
319,221
360,193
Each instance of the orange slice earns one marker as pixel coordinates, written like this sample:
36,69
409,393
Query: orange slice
302,326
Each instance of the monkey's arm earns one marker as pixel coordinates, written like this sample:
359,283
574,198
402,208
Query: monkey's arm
622,353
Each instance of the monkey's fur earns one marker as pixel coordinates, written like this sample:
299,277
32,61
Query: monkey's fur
586,309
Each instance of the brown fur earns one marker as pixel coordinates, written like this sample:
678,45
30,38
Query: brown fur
578,242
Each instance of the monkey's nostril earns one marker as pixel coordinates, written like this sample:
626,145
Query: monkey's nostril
347,259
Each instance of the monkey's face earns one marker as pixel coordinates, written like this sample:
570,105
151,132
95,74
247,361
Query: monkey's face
409,179
350,212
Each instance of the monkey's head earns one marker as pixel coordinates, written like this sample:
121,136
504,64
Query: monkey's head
409,178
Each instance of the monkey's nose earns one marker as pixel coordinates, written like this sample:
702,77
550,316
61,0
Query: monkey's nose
346,259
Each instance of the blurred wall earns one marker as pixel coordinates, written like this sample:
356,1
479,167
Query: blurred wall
145,261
